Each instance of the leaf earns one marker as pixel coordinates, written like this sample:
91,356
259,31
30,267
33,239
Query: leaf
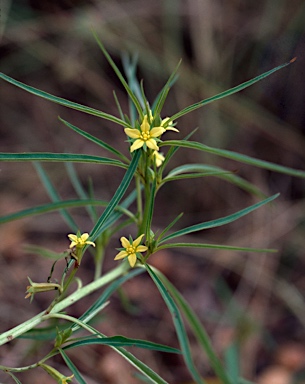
226,93
235,156
117,196
199,170
54,196
178,323
121,341
120,76
213,246
100,302
50,207
197,328
64,102
14,377
77,185
95,140
72,367
218,222
60,157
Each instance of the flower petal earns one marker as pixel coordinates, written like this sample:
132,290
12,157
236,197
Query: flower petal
84,237
136,145
151,143
125,243
142,248
169,128
157,131
121,255
132,259
137,241
145,127
133,133
72,237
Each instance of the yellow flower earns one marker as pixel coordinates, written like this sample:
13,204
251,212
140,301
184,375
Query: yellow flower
159,158
79,241
168,125
131,248
146,135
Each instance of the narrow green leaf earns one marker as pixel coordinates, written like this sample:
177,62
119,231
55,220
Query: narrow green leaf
121,341
100,302
77,185
72,367
36,250
43,333
172,150
120,76
207,170
65,103
117,196
226,93
197,329
214,246
54,196
60,157
219,222
178,323
150,201
235,156
50,207
14,377
159,102
232,361
170,225
95,140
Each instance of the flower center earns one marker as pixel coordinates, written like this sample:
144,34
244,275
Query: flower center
145,136
130,250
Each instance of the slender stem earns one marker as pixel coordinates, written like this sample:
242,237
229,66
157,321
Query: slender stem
139,199
71,299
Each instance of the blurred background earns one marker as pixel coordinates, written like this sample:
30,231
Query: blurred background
251,304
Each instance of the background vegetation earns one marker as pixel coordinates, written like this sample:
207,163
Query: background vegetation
251,304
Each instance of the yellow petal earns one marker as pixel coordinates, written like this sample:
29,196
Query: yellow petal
125,243
137,241
132,259
157,131
121,255
169,128
136,145
145,127
84,237
151,143
72,237
133,133
142,248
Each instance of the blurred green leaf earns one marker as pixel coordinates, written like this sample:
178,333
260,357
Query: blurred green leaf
178,323
213,246
60,157
95,140
235,156
197,328
218,222
117,196
226,93
121,341
72,367
65,103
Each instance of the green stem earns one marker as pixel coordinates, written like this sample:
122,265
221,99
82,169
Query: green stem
63,304
139,199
